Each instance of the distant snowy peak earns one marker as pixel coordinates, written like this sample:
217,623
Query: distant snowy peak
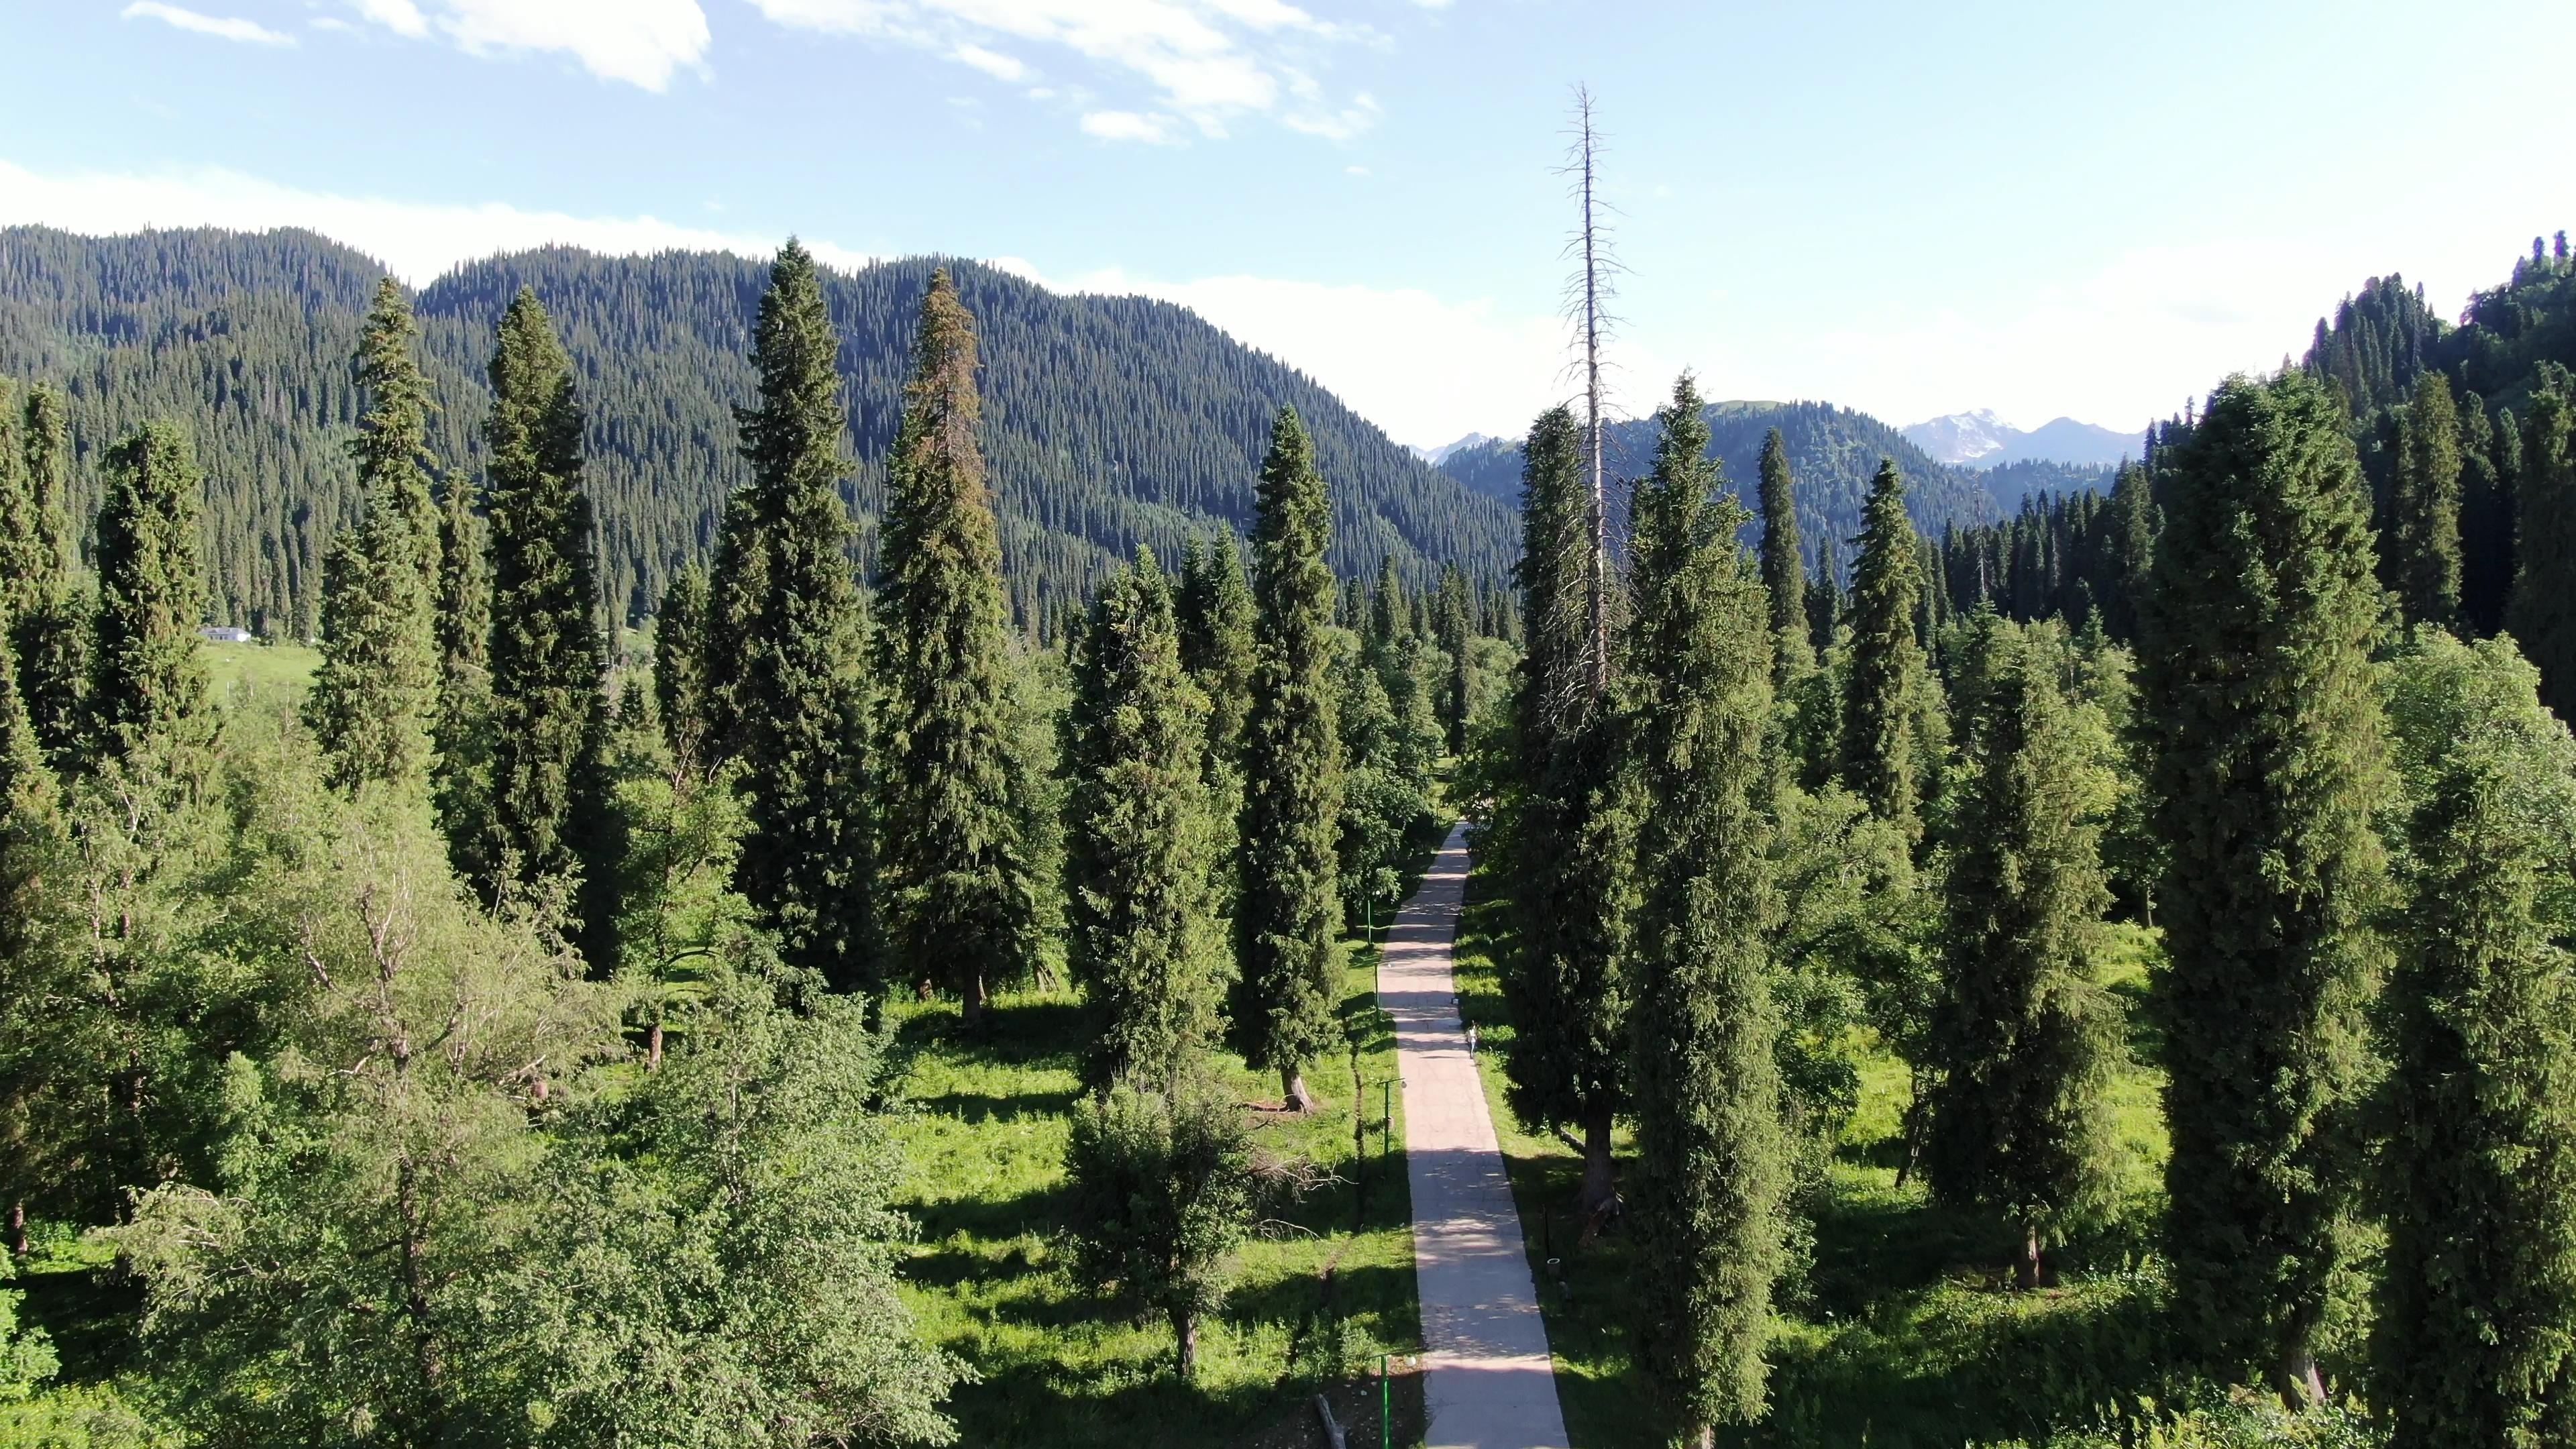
1962,437
1982,440
1439,455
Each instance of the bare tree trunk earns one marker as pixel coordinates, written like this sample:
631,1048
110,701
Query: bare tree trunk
2026,1273
1597,570
1292,1085
1703,1436
1185,1333
415,1279
18,1228
1600,1175
653,1048
972,993
2302,1387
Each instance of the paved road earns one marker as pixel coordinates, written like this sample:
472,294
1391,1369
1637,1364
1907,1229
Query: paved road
1489,1381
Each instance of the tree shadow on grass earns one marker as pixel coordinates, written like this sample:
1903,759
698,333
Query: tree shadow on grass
90,1313
976,1108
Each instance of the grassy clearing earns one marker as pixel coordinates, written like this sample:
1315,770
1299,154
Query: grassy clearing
985,1147
260,669
1901,1331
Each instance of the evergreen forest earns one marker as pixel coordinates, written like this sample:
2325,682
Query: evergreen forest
800,858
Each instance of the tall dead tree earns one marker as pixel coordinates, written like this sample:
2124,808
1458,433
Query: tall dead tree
1588,293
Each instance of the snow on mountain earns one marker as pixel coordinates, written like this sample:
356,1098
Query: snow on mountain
1981,440
1436,456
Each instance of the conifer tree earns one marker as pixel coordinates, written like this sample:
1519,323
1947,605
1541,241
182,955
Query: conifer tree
1884,675
375,695
1457,632
2130,542
2542,614
548,667
461,733
2423,542
29,817
1216,637
50,626
1140,857
1562,830
784,650
1287,916
960,896
2476,1333
2258,692
680,650
1784,572
148,690
1713,1163
464,582
2022,1036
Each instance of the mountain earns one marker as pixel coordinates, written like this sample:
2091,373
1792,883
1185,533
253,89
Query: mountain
1833,451
1436,456
1108,421
1983,440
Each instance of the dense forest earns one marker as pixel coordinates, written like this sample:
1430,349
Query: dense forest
1114,421
2097,974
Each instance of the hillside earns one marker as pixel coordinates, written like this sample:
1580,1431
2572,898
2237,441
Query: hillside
1834,451
1109,421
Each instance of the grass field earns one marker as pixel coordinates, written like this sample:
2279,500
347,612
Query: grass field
985,1146
1899,1329
261,668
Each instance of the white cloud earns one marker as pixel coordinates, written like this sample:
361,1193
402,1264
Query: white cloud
1129,126
230,27
640,42
1204,61
991,62
1355,171
1424,368
417,240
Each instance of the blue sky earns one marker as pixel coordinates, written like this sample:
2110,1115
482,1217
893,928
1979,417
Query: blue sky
1913,209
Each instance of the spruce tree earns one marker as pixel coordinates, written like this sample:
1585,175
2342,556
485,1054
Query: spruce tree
376,693
680,651
547,660
783,654
1884,676
2542,614
1784,572
1561,828
1140,854
464,582
2476,1331
1215,608
51,625
960,896
2257,688
2422,546
148,688
1287,916
1713,1162
2023,1041
461,734
1457,642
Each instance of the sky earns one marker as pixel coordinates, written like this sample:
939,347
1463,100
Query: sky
2046,210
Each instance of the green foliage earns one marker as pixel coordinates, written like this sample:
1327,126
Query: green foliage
548,719
2542,614
2256,686
1784,569
784,643
1216,619
148,687
2420,545
717,1264
680,664
1143,851
959,890
48,619
1560,826
1884,676
1160,1188
1454,625
1116,420
2477,1324
377,690
2023,1036
26,1354
1713,1164
1287,917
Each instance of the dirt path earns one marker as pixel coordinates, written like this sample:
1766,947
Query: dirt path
1489,1382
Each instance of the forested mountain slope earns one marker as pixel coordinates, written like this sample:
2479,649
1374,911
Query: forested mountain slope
1108,420
1834,451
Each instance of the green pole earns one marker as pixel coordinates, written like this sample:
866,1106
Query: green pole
1387,1143
1385,1406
